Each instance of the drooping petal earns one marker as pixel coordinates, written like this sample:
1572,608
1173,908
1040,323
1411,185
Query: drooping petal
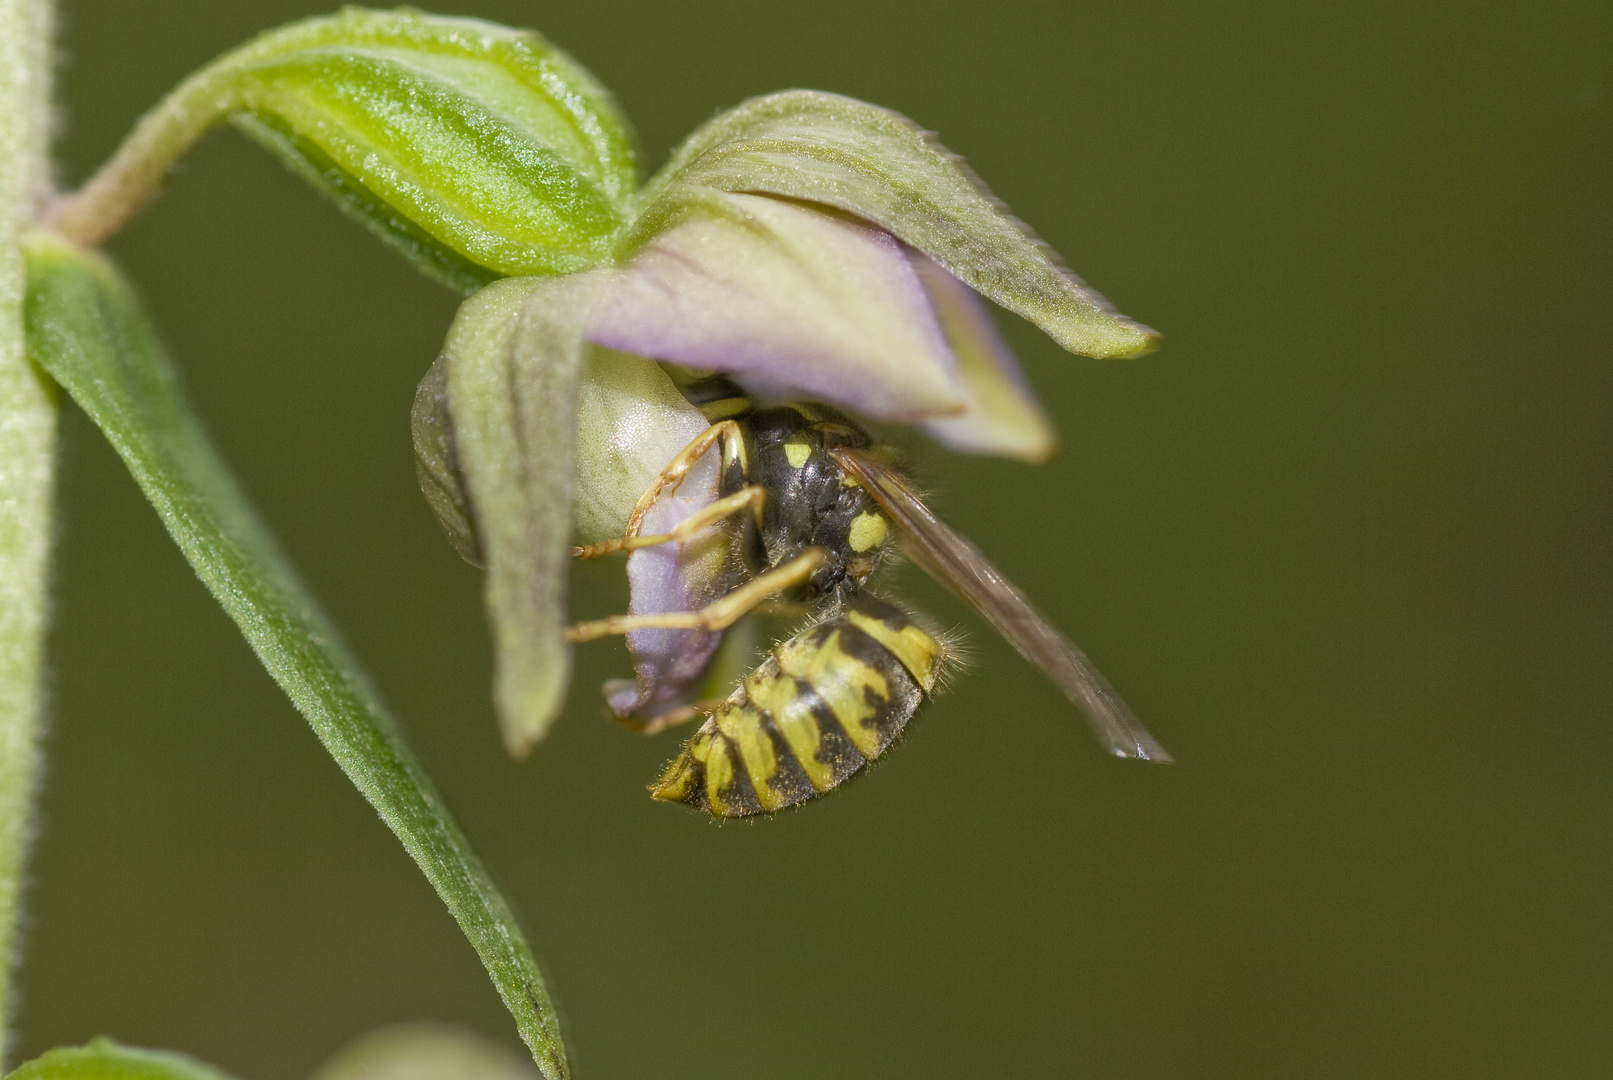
792,300
881,167
512,358
1002,416
630,422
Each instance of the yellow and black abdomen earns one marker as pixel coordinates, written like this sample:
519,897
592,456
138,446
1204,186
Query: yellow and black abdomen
820,707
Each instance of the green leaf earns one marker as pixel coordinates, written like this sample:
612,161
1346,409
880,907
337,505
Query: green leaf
477,150
880,166
103,1059
430,256
86,330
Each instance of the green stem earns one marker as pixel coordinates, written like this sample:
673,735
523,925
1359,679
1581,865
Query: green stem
27,459
133,177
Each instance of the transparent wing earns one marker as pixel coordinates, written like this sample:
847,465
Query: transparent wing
953,560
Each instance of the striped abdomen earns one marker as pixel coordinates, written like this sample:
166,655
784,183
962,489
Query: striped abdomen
820,707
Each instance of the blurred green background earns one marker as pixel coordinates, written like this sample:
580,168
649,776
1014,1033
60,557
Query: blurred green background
1343,543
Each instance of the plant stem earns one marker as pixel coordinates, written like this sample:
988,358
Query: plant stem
27,460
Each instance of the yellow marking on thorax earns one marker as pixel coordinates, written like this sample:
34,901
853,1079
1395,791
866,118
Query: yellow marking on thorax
867,531
725,408
843,682
919,653
796,453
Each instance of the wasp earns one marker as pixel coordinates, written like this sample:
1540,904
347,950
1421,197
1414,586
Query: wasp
813,507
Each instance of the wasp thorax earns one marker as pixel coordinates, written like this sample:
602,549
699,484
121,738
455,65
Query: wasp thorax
811,500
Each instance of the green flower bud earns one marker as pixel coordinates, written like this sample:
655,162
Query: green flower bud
477,150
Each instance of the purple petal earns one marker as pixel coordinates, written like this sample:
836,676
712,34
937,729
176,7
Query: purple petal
1002,416
673,577
791,300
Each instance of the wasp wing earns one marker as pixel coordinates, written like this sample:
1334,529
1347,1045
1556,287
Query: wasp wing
953,560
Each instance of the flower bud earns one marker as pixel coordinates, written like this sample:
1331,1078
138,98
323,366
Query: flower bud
477,150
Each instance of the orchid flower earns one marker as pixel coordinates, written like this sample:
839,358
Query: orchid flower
805,244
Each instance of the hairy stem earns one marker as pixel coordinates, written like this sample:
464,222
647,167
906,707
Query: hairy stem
136,172
27,459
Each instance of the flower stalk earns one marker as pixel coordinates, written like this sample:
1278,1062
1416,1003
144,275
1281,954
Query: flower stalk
27,461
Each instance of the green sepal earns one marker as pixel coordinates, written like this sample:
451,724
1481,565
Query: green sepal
87,331
436,463
103,1059
508,376
883,168
527,438
631,421
477,150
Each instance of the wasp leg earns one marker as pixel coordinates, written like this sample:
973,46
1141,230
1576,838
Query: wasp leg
716,616
685,530
733,447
